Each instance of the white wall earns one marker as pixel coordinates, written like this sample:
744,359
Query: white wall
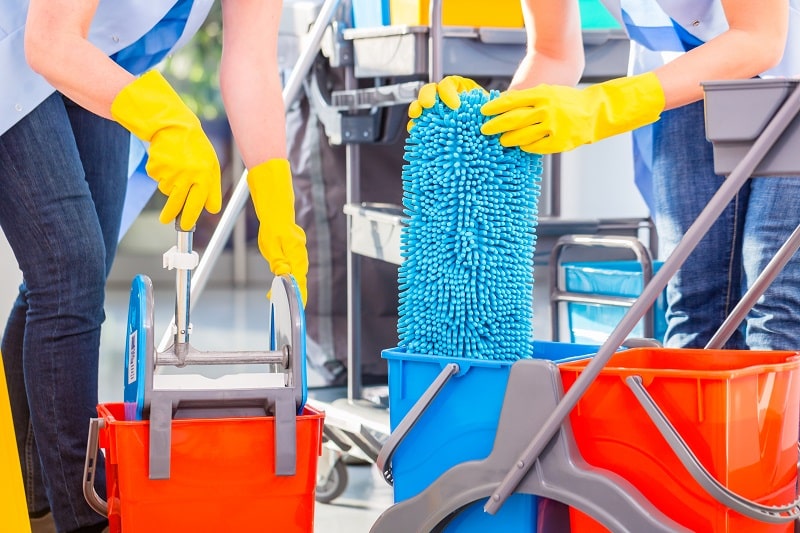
10,278
597,181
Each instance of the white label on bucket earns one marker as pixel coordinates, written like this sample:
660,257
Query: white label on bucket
132,357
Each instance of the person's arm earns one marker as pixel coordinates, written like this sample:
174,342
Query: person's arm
180,156
251,91
753,43
554,53
555,118
249,78
57,47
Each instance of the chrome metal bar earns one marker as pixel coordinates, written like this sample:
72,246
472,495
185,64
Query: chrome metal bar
240,192
435,41
194,357
559,296
575,297
183,291
353,195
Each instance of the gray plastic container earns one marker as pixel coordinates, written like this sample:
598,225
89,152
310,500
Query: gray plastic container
736,114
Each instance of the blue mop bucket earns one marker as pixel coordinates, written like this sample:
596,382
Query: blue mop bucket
460,425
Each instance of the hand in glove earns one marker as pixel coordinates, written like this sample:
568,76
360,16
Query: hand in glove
181,158
551,118
281,241
448,90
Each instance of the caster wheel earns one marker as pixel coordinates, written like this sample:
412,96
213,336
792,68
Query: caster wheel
333,486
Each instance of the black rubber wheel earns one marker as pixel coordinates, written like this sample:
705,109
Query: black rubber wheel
333,486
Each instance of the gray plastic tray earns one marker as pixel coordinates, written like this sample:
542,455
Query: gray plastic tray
473,52
375,230
736,114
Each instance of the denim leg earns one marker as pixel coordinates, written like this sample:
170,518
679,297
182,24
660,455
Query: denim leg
708,284
772,214
15,379
50,168
103,147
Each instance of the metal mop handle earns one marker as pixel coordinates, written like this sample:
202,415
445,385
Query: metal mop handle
236,202
183,291
693,235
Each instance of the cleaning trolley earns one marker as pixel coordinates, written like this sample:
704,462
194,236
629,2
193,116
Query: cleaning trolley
638,439
189,453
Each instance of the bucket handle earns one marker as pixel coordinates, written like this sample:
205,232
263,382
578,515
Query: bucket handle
778,514
384,459
90,467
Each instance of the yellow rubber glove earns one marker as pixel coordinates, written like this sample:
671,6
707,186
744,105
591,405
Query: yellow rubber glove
281,241
447,89
551,118
181,158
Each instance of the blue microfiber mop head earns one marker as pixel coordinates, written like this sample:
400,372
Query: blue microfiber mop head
466,282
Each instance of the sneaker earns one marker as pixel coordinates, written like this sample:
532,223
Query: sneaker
43,524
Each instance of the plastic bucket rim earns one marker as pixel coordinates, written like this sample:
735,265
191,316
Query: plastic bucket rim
401,354
791,362
309,413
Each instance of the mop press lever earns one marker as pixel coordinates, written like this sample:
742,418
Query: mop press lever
280,357
183,260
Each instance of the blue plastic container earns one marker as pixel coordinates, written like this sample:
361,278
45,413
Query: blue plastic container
370,13
593,323
460,425
594,16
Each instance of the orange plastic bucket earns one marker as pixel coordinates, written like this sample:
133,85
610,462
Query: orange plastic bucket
738,411
222,476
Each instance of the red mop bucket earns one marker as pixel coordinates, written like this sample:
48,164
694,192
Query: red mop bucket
738,411
222,475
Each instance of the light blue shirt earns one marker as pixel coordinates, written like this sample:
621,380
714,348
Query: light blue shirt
116,25
660,31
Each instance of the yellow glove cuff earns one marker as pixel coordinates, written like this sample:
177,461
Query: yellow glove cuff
628,103
148,103
281,241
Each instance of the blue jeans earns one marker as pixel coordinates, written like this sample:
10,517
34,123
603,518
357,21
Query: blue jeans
63,173
734,251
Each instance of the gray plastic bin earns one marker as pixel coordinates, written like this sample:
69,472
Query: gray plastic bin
375,230
736,114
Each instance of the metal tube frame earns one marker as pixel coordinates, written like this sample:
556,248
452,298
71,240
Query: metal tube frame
227,221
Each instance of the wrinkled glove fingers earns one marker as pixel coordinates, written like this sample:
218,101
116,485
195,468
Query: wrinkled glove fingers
542,147
193,206
213,202
512,100
296,251
298,256
175,202
166,185
414,109
448,90
426,96
513,120
524,136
